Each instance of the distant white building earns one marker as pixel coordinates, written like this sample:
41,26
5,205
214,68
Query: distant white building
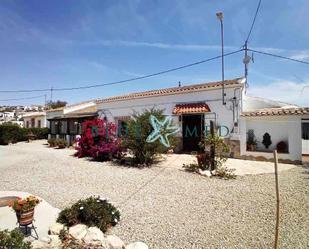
35,120
7,116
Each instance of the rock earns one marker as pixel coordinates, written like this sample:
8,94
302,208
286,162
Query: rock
56,228
55,242
137,245
115,242
38,244
94,236
78,232
46,239
205,173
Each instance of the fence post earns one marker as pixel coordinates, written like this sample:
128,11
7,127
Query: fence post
212,147
278,200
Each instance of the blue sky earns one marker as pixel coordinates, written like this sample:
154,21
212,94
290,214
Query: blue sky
71,43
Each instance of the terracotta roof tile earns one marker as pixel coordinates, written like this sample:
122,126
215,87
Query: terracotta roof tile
191,108
277,112
174,90
88,109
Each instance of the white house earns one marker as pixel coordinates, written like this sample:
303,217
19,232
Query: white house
35,120
192,108
65,122
7,116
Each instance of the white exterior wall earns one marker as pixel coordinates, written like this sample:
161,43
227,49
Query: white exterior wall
213,98
287,128
36,120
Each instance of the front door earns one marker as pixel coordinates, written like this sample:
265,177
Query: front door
192,131
305,137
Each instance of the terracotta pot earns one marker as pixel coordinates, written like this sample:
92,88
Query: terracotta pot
25,217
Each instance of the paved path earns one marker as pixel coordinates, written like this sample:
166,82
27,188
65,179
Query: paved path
241,167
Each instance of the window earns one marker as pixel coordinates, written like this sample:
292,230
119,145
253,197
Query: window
39,123
27,124
63,126
122,128
73,126
32,123
54,127
305,131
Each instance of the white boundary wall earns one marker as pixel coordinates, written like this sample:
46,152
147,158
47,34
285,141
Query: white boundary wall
280,128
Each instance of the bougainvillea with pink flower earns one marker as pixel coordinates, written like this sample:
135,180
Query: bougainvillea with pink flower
99,140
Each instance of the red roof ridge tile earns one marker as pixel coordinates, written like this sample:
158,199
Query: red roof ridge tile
277,111
172,90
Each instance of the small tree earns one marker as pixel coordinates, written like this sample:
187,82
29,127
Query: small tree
56,104
251,140
266,140
139,128
221,148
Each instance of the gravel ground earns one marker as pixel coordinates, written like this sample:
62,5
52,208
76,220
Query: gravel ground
166,207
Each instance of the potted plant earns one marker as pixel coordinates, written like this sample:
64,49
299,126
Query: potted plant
251,141
24,209
266,140
282,147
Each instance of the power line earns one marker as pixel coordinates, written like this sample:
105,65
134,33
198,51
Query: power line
253,22
123,81
247,58
279,56
34,97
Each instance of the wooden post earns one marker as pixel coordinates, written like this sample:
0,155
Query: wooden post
278,201
212,147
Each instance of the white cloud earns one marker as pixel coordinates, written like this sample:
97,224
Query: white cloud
160,45
285,91
300,55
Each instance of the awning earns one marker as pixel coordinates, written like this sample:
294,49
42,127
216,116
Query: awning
191,108
74,116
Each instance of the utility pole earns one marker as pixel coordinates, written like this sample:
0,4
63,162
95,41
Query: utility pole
45,97
246,61
51,94
220,17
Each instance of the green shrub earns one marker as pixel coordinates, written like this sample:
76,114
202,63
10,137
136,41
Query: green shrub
225,173
221,148
92,211
51,142
11,133
138,129
192,167
39,133
61,143
13,240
